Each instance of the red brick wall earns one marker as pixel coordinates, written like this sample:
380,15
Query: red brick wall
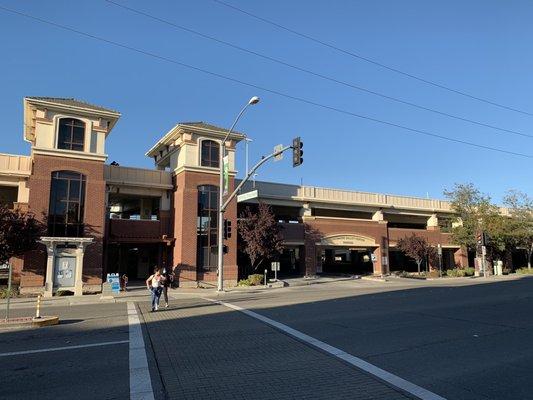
185,205
323,227
39,185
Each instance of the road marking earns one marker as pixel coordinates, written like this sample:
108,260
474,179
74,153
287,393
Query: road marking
386,376
81,346
140,382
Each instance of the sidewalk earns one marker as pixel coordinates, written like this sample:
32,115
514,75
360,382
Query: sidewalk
206,351
138,293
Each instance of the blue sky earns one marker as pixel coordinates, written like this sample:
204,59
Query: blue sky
479,47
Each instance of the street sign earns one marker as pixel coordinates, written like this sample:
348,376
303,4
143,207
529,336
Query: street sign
114,281
247,196
275,265
277,149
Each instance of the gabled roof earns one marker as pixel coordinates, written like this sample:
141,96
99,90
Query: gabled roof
71,102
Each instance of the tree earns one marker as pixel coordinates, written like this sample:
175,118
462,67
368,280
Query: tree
474,213
261,235
521,224
19,232
418,249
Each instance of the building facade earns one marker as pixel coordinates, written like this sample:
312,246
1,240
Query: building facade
103,218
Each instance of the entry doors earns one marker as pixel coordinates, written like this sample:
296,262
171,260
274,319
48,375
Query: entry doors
64,271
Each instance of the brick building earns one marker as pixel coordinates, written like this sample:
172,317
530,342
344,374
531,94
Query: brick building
104,218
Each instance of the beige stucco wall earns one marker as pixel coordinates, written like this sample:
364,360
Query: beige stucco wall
46,128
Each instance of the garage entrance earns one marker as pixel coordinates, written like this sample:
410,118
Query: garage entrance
353,261
347,254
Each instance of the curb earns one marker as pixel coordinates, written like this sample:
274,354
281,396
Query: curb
30,322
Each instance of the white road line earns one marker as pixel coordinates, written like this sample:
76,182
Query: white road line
140,382
81,346
386,376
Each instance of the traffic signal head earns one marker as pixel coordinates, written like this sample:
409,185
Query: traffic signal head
297,152
227,229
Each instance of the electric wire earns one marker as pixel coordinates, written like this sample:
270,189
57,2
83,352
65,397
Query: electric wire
316,74
252,85
371,61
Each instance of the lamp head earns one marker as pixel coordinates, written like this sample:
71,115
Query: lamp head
253,100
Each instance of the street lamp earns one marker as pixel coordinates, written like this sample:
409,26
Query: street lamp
220,237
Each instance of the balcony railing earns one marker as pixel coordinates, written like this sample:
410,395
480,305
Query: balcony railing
12,164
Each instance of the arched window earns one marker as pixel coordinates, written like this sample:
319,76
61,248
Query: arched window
71,134
67,203
210,154
206,227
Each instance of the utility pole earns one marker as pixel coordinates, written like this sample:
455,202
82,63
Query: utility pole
224,205
224,178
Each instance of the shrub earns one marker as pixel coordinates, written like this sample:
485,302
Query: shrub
255,279
4,293
244,282
524,271
469,271
456,273
433,274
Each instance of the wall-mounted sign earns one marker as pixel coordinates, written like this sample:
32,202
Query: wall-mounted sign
348,240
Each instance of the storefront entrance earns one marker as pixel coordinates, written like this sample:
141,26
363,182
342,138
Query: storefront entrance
137,261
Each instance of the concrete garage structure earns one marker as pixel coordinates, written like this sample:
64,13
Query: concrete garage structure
104,218
331,230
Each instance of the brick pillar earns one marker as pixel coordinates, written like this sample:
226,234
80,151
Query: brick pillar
460,257
185,215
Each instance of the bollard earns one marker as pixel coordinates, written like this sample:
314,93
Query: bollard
266,277
38,309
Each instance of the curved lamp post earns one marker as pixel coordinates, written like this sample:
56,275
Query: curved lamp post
220,237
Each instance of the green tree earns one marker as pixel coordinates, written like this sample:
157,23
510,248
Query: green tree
261,235
521,224
474,213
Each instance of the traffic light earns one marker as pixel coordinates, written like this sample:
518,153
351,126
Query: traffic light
297,152
482,239
227,229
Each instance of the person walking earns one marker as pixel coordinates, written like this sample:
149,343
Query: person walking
168,278
154,283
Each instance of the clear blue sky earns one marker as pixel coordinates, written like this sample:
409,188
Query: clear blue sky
481,47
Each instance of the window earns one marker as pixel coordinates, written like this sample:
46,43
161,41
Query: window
67,200
71,134
210,154
206,227
8,195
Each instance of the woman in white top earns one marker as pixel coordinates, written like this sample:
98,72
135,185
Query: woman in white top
154,283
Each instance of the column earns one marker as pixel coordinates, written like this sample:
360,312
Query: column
78,282
433,223
49,281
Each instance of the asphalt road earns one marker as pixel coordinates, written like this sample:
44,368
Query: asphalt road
97,372
460,339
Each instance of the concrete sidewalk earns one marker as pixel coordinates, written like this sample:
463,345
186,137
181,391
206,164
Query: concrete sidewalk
206,351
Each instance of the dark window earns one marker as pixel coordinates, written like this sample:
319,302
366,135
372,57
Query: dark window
206,227
71,134
67,200
8,195
210,154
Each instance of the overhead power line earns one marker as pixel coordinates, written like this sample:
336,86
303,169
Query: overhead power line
371,61
316,74
252,85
